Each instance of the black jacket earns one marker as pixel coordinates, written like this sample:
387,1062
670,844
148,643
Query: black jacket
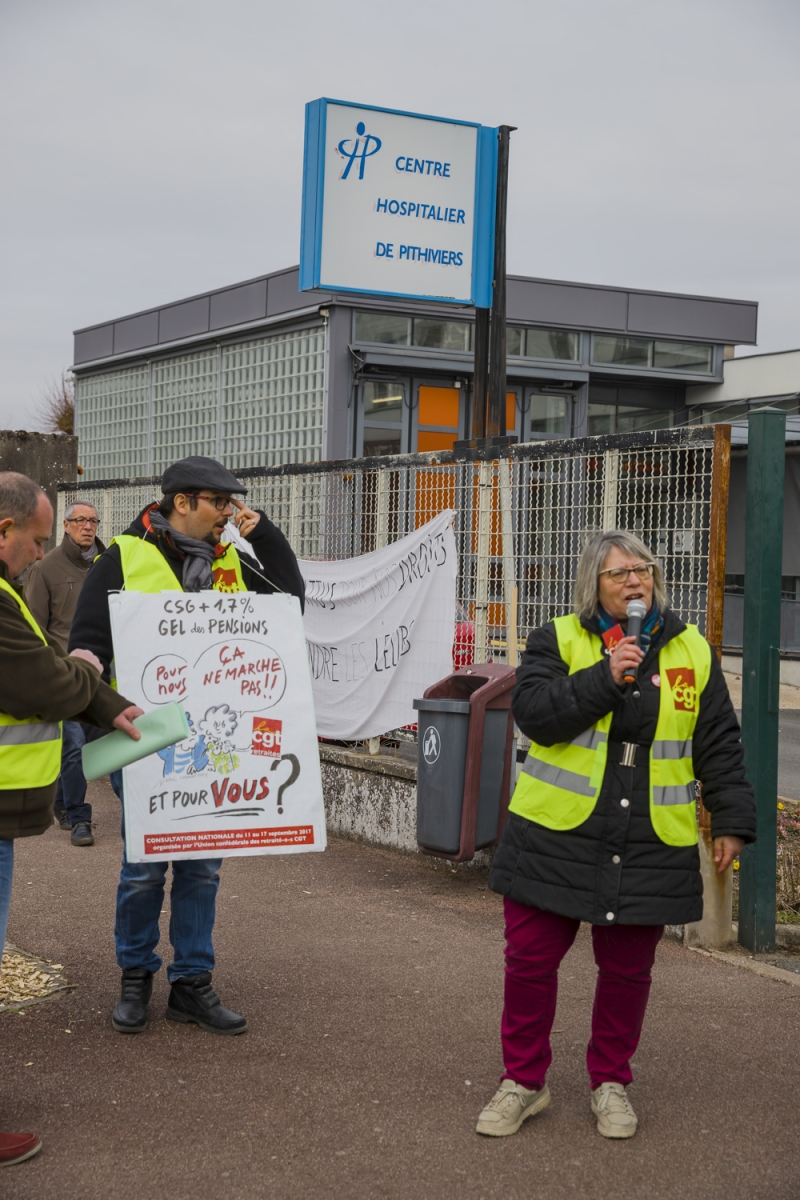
573,872
91,625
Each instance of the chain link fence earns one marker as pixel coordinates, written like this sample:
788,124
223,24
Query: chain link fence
522,517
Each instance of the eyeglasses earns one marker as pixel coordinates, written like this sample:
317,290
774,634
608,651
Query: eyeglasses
622,574
93,521
220,502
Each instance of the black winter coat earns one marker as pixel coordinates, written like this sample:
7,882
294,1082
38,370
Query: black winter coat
91,625
614,868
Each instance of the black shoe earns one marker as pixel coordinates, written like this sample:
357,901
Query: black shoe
82,834
130,1015
193,999
62,818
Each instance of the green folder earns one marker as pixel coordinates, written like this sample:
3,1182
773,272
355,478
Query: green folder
162,727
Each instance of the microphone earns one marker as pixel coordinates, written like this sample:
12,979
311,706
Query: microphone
637,612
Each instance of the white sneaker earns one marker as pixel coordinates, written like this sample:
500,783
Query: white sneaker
509,1107
611,1106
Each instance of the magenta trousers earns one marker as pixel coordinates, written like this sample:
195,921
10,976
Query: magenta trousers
536,942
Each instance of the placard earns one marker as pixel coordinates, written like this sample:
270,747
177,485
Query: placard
247,779
398,204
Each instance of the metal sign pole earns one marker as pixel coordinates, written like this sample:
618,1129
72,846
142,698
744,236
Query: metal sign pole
496,408
766,457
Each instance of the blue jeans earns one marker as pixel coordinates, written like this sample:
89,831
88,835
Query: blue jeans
140,898
71,793
6,873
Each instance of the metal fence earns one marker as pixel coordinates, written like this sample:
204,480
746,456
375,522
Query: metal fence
522,516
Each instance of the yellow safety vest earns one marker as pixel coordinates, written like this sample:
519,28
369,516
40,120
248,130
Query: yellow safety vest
30,750
145,569
559,785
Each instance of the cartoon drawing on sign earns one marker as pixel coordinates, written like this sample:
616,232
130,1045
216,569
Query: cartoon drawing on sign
188,757
218,727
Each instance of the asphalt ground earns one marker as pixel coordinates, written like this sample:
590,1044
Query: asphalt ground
372,983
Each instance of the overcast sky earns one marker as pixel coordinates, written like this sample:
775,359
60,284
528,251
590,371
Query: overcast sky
152,150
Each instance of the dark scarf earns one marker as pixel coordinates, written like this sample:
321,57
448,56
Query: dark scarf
197,556
651,627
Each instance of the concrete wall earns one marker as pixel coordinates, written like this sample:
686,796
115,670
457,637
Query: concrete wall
749,377
374,799
48,458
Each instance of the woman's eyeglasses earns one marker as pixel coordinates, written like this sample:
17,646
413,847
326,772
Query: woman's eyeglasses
621,574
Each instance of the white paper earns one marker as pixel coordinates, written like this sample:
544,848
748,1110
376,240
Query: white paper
247,779
380,630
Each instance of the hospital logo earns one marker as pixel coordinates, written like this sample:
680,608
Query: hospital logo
431,745
358,150
684,688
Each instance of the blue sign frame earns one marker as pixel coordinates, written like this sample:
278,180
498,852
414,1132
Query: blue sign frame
314,197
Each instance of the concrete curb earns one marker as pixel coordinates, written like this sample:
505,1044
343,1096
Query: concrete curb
758,968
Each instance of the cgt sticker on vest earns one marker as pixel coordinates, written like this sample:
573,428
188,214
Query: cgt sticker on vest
683,687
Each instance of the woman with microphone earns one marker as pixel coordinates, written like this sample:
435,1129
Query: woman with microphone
626,706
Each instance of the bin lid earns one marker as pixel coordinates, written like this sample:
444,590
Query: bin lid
449,706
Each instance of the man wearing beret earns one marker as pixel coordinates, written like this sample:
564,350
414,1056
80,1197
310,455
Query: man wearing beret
175,545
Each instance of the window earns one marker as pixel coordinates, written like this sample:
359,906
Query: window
682,356
442,335
551,343
624,418
389,328
383,417
515,340
547,415
622,351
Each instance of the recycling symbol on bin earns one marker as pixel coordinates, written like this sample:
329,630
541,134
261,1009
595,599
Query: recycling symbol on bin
431,745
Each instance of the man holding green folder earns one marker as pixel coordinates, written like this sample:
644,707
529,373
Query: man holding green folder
175,545
40,687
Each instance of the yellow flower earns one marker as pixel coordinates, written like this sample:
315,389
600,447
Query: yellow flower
736,865
780,806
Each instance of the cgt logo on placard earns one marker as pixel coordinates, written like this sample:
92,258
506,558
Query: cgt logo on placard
360,151
266,737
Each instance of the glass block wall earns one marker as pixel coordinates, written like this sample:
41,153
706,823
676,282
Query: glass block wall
250,404
272,395
185,402
111,421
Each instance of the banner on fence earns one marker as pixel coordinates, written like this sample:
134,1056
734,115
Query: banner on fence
247,778
379,630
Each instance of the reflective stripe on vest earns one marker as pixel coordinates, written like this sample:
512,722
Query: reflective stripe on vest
30,751
559,785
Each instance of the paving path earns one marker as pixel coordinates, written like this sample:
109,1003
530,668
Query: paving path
372,985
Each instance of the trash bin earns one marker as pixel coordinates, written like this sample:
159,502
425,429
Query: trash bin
464,775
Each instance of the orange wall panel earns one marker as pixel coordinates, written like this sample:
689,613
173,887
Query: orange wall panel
435,441
439,406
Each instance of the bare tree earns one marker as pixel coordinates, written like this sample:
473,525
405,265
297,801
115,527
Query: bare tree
57,405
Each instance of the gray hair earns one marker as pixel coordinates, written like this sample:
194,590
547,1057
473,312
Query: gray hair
70,509
593,559
19,497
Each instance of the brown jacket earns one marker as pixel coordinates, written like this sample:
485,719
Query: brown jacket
41,681
53,587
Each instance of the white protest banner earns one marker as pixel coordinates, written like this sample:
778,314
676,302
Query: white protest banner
247,779
380,630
